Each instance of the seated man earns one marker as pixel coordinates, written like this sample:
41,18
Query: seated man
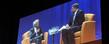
74,25
36,34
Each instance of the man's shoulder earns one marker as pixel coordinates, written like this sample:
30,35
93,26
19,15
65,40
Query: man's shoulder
31,29
80,10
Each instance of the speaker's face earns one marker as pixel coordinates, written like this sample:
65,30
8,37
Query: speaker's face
36,24
73,9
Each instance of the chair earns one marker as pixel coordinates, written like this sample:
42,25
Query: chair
45,41
87,33
26,38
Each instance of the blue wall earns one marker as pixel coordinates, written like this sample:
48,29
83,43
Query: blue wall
58,16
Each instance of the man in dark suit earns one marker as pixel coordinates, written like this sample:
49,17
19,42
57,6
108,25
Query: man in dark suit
36,34
74,25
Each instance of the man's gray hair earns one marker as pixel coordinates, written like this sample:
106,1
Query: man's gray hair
35,21
76,5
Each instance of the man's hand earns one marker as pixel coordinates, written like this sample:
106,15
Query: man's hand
64,27
67,26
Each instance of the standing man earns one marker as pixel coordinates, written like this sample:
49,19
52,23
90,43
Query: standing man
36,34
74,24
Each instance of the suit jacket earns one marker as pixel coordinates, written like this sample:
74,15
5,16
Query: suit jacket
33,36
78,20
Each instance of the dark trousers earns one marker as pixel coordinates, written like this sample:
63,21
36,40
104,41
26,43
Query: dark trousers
68,36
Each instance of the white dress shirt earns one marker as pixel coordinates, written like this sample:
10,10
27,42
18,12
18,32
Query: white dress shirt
35,30
74,16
